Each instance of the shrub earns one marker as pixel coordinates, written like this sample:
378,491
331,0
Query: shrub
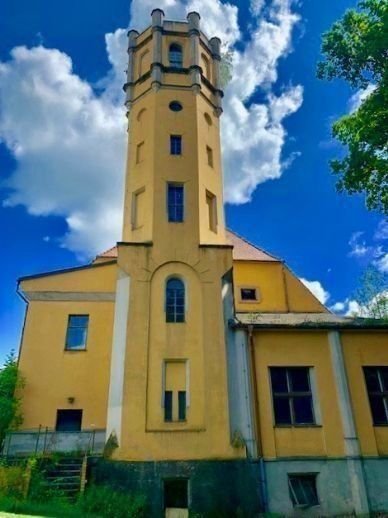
103,501
11,480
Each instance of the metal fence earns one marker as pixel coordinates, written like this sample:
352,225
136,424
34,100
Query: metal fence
44,441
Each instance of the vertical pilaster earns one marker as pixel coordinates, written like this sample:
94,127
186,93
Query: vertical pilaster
157,26
116,387
128,87
193,20
215,45
352,447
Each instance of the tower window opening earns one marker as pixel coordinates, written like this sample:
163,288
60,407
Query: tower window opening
206,67
175,56
175,202
175,144
168,405
208,119
211,202
140,152
175,300
175,106
209,153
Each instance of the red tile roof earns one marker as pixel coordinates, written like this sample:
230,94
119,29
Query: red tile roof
242,250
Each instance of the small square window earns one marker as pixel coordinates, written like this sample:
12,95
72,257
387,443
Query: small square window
176,494
175,144
209,153
248,294
303,490
77,330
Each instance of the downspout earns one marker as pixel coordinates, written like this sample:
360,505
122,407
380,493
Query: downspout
253,374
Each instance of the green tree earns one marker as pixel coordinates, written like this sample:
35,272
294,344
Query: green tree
372,294
356,50
10,386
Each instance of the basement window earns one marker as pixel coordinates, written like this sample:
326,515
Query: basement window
303,490
68,420
176,494
77,331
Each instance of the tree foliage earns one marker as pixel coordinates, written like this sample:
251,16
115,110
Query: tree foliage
372,294
10,385
356,50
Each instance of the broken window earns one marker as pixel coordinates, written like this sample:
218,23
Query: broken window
303,490
292,396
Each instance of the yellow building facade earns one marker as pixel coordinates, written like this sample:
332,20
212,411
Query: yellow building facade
215,378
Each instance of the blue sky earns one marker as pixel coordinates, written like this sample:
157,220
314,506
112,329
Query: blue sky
51,206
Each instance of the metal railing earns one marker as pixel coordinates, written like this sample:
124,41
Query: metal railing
43,441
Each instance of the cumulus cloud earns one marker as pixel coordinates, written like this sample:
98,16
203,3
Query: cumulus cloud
68,136
317,289
359,97
373,253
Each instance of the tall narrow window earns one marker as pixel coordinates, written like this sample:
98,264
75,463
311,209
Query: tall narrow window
168,405
144,63
209,154
175,390
77,330
211,202
206,67
175,144
175,56
175,300
138,208
292,396
376,379
140,152
175,202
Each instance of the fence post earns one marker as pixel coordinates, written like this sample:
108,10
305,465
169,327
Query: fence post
83,473
37,439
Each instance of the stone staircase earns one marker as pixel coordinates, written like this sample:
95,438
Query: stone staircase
67,476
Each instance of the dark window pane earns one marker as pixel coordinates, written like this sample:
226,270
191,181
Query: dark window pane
279,379
384,377
372,379
303,410
282,410
69,420
175,300
176,494
378,409
182,405
248,294
168,405
77,332
78,320
175,106
299,377
175,144
175,203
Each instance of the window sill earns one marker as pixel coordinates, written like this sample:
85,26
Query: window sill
297,426
75,350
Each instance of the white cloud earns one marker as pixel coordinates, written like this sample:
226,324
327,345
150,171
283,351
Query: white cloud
376,307
317,289
370,253
359,97
68,136
382,230
69,145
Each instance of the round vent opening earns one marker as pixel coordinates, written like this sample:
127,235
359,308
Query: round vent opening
175,106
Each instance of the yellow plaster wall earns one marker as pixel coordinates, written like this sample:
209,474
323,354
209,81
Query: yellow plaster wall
53,374
365,349
288,349
101,278
278,289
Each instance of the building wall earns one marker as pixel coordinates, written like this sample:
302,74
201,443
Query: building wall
279,290
51,373
363,349
298,348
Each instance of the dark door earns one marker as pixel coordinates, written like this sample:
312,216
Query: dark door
69,420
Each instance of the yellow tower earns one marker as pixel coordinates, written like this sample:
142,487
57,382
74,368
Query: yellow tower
168,389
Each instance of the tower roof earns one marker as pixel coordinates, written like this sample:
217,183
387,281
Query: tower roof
243,250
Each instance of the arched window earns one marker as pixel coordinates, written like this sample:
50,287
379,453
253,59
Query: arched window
175,300
175,56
